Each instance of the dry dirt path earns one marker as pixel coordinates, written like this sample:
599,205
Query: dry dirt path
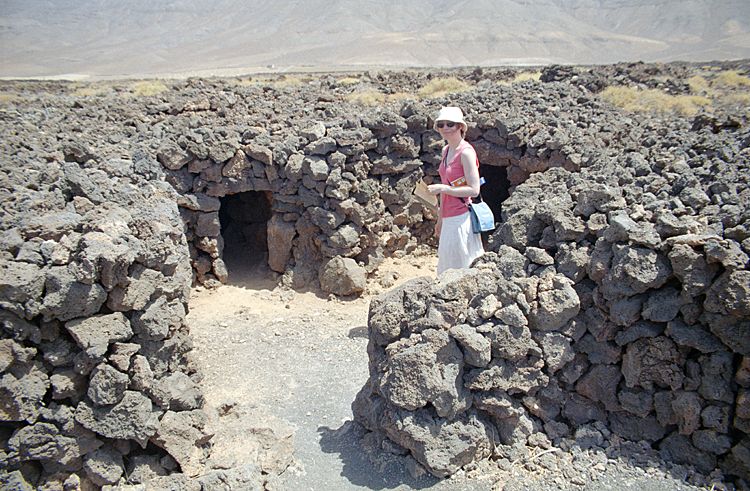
300,358
295,361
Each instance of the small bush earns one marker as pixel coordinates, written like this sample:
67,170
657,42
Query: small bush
443,86
732,78
90,90
652,100
738,99
698,84
689,105
524,76
348,81
290,80
147,88
6,98
373,97
366,97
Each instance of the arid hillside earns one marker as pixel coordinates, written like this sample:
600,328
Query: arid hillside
103,38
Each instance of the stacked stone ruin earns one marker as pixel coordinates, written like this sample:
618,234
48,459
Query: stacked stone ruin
616,291
615,302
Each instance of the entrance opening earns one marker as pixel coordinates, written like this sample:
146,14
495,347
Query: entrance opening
243,218
496,188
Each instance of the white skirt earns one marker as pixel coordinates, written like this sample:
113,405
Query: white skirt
458,245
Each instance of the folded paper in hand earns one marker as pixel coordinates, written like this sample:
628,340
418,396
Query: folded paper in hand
425,196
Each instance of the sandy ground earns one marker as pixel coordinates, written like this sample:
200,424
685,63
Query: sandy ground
300,358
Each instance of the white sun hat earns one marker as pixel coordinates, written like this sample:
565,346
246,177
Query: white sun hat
453,114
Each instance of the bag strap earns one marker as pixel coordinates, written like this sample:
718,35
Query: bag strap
479,196
444,161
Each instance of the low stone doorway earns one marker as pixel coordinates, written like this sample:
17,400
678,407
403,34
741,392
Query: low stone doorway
244,218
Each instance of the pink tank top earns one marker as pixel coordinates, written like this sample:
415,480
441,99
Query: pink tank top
453,171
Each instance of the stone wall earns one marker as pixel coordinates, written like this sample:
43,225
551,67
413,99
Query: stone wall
614,306
94,355
341,186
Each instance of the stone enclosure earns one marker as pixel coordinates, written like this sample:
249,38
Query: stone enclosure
613,301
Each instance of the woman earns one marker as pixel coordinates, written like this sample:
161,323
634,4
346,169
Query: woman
459,177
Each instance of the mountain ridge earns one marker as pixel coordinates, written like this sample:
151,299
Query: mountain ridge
102,38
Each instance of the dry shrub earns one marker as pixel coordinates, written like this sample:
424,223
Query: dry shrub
443,86
651,100
290,80
147,88
524,76
90,90
732,78
689,105
698,84
738,99
366,97
348,81
7,98
373,97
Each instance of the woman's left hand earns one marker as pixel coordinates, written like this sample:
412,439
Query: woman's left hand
438,188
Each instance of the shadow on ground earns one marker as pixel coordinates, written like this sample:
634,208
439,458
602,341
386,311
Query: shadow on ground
370,467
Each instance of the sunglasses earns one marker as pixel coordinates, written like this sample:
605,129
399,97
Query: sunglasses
447,124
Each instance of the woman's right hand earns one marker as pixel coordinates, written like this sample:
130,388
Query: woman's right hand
438,227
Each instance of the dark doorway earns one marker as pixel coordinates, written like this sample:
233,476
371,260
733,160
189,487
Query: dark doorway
496,187
243,219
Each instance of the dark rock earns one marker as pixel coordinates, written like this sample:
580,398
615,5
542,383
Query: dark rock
65,298
650,361
580,410
711,441
636,401
96,333
637,331
717,376
636,428
600,385
679,449
509,342
520,376
730,294
634,270
686,407
598,352
557,350
695,337
176,392
663,305
555,304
